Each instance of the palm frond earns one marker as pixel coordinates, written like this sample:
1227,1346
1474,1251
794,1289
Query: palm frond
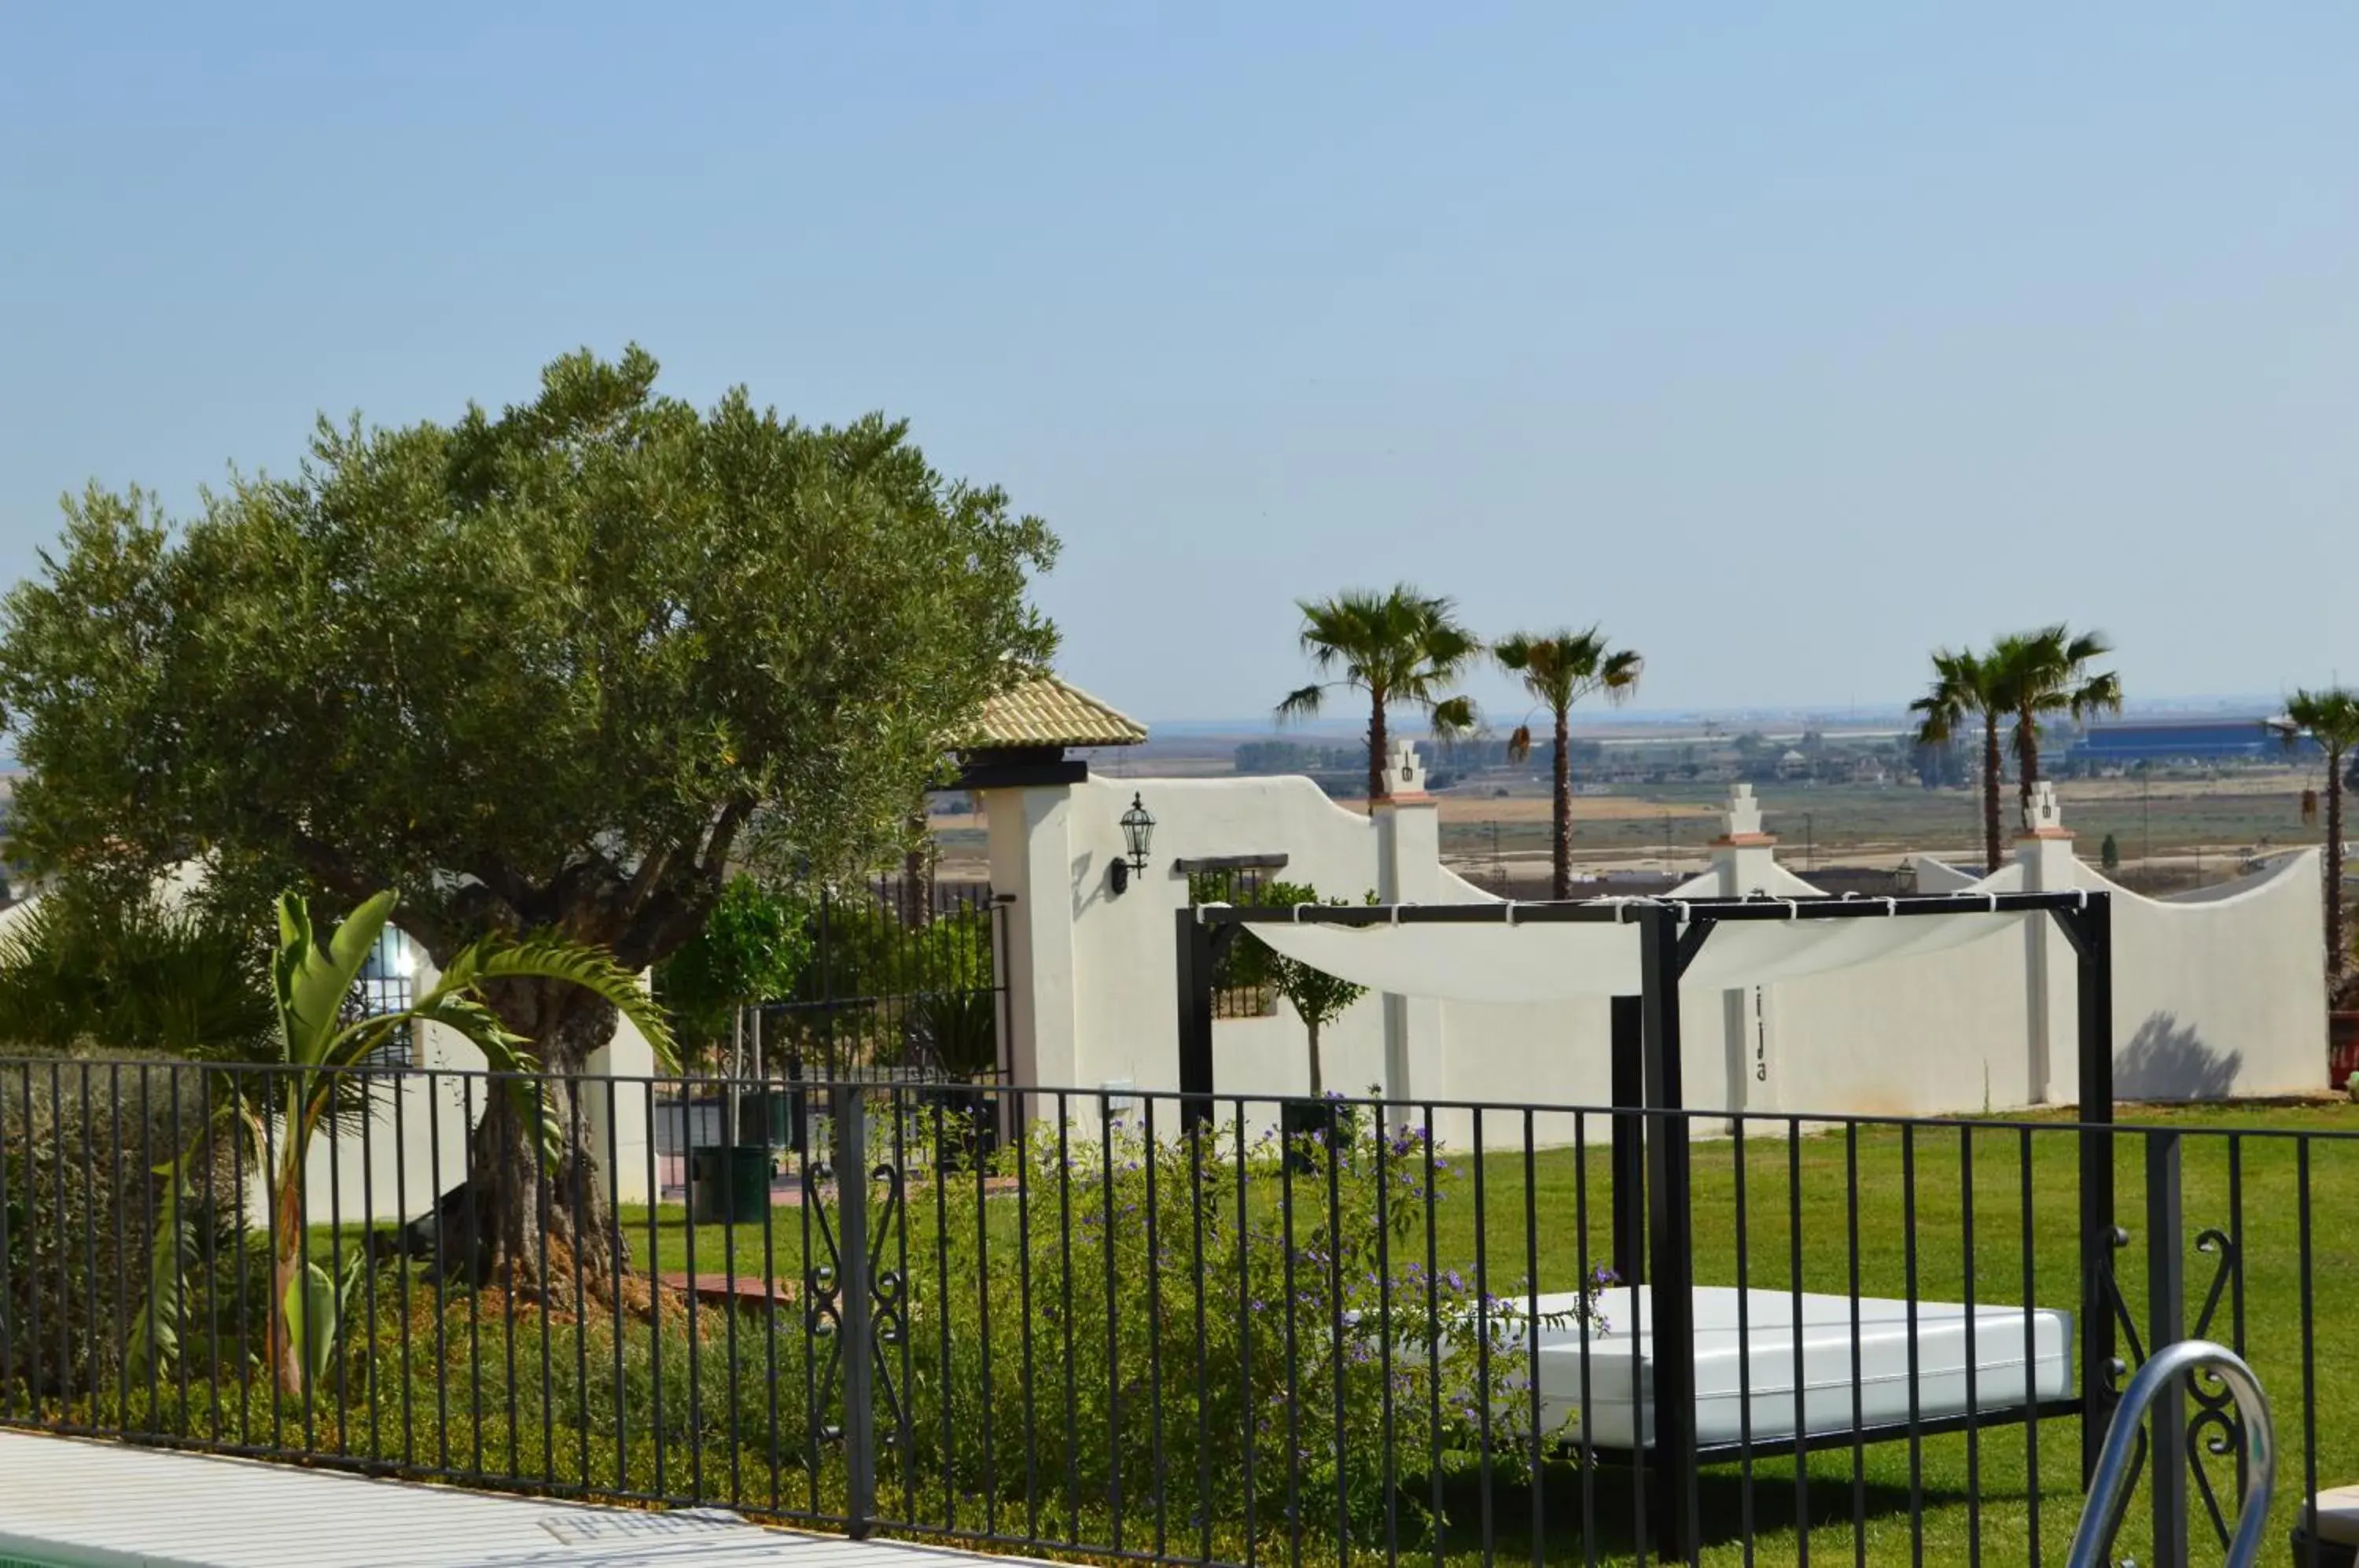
1302,703
313,981
549,957
155,1338
2329,716
1454,718
1560,668
1620,675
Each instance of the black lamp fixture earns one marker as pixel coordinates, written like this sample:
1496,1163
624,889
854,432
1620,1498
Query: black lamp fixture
1138,835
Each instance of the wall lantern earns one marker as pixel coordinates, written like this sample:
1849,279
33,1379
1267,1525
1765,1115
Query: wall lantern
1138,835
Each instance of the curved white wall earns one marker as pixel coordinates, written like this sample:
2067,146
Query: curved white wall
2213,999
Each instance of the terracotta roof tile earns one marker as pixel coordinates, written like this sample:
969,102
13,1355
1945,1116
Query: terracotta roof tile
1046,711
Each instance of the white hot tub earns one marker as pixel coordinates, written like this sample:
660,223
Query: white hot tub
1755,1369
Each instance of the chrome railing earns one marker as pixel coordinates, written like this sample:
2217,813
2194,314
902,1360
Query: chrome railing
2101,1517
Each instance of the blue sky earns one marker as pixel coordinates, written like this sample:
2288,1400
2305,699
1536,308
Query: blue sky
1787,341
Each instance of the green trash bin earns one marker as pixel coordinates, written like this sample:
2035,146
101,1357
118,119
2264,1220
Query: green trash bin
729,1185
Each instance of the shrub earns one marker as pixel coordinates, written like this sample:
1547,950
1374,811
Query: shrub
1273,1343
79,1144
1189,1327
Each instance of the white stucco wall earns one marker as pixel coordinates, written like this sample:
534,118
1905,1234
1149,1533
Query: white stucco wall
1094,1002
2220,994
2213,998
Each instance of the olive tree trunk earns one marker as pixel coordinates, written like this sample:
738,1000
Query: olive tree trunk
524,1222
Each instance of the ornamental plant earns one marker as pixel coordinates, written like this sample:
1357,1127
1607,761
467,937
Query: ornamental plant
1183,1328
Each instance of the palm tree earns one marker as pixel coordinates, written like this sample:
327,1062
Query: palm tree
2022,677
2047,671
1400,646
1559,671
1967,686
275,1114
2331,718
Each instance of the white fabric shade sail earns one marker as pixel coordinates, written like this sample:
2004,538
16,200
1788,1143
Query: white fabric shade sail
1502,960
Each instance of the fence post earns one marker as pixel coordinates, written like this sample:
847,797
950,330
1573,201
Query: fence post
2166,1293
1670,1251
1629,1160
1196,964
2089,930
850,1160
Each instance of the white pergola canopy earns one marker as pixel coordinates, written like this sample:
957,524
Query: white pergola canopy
1512,954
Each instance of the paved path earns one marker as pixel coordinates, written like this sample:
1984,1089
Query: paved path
70,1504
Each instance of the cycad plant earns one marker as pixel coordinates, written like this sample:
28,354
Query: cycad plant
312,1074
1402,646
94,968
1559,671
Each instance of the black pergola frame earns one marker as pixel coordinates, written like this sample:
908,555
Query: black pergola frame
1652,1217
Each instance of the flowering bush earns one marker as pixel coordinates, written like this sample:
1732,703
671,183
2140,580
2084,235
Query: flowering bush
1186,1331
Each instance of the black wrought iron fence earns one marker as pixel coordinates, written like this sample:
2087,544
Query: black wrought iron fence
1146,1328
903,979
1235,993
902,983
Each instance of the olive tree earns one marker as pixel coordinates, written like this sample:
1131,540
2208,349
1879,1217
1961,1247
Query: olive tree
554,671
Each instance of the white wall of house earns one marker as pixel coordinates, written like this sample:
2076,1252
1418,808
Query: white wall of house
2214,997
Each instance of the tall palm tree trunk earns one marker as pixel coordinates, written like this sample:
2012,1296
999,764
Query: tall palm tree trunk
1379,743
1990,793
2027,758
2334,953
1560,849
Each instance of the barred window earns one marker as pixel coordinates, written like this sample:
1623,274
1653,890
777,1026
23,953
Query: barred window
387,984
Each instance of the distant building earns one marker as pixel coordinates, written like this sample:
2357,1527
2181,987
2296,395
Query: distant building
2183,740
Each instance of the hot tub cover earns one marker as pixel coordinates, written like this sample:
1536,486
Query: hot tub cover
1753,1368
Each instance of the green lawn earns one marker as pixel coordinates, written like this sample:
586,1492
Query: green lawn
1901,1234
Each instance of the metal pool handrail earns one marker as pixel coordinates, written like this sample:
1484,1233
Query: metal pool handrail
2101,1516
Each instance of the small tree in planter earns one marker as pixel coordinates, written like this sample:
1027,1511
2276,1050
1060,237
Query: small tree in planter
1318,998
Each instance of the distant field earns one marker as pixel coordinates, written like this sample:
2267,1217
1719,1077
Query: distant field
2225,822
2176,831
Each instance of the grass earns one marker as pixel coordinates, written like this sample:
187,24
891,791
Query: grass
497,1394
1913,1226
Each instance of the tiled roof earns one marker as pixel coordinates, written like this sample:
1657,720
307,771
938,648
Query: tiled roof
1046,711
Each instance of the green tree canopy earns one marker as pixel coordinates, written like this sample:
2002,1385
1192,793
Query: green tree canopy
2047,671
1966,687
754,946
2023,677
1559,670
2331,718
552,669
1318,998
1400,646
